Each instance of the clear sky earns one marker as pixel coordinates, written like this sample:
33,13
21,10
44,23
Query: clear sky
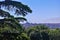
43,10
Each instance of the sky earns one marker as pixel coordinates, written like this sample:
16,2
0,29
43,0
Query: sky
43,11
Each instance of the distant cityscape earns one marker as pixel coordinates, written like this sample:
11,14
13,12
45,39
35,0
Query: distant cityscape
50,25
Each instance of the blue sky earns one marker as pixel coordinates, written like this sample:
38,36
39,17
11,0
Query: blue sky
43,10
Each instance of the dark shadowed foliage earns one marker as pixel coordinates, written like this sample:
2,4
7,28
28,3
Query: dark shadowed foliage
10,28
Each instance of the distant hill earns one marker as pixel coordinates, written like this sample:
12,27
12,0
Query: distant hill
50,25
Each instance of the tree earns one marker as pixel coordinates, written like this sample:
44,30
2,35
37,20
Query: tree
45,35
35,35
18,7
54,34
38,32
10,24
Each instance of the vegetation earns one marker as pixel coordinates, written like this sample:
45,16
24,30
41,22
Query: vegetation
11,29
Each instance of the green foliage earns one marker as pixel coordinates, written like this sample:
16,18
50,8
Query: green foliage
38,32
54,34
10,27
42,32
18,7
